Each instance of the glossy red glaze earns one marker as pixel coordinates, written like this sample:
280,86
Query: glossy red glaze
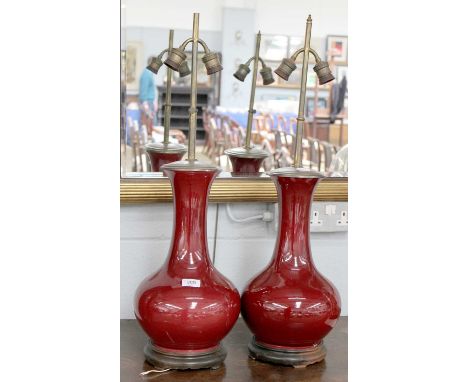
245,165
177,317
159,159
290,304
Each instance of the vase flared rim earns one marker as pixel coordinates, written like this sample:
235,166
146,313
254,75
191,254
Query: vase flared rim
296,172
185,165
169,148
242,152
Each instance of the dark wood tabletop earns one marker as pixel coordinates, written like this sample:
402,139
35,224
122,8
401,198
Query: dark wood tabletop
238,367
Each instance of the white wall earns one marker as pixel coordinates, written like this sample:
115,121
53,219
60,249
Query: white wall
175,14
272,16
242,250
289,17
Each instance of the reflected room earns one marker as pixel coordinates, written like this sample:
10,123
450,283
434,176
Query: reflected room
224,96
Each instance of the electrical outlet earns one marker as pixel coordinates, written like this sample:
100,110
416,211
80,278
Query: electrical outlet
315,219
344,219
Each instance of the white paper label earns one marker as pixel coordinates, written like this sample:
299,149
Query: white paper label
191,283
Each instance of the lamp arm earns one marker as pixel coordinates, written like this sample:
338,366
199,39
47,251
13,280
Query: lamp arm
185,43
205,47
160,56
314,53
253,58
263,62
189,40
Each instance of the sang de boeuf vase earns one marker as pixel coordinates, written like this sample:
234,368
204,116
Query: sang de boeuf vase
187,307
290,307
163,153
246,162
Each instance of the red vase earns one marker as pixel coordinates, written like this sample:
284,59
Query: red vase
187,307
290,307
246,161
161,154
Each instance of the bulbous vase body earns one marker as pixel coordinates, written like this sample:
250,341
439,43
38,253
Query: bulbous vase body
187,307
290,307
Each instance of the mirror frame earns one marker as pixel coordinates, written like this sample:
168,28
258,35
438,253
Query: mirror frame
226,190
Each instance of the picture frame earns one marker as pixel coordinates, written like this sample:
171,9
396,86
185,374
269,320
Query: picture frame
133,65
337,49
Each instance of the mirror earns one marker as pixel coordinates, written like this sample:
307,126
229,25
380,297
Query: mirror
222,100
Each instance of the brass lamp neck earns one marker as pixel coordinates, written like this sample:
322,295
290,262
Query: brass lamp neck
193,89
168,105
300,114
251,111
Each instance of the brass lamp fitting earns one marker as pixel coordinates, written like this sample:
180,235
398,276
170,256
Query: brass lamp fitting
285,69
184,69
155,65
175,58
242,72
267,75
324,73
212,62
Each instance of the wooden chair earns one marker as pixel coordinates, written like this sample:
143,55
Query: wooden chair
138,141
216,139
206,127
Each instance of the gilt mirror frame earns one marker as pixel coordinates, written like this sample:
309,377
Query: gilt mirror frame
226,190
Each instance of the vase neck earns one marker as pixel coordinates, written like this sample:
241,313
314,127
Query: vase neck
292,249
189,248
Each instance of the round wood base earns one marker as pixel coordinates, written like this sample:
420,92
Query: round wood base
286,356
164,360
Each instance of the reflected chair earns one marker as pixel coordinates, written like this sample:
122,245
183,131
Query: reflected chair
315,154
329,152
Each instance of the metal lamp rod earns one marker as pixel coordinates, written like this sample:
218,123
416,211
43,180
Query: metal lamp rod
193,85
252,93
300,114
167,104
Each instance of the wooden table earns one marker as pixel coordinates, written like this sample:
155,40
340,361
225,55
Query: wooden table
238,367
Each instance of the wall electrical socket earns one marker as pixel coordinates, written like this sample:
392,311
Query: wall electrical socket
329,217
315,219
324,217
344,219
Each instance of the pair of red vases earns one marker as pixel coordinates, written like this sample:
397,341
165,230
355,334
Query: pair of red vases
187,307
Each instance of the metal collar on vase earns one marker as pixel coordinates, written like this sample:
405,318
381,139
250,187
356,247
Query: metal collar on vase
296,172
242,152
187,165
168,148
324,74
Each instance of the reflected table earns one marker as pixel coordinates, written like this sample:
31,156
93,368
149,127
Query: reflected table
238,367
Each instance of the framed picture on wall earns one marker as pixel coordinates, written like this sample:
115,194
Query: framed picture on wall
337,49
133,65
